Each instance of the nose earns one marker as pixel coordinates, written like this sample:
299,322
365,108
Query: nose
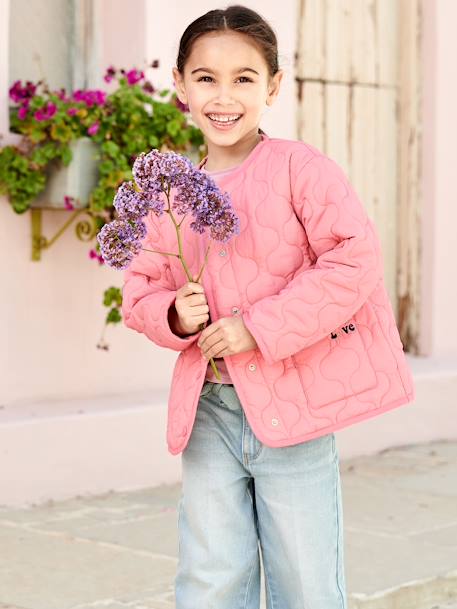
224,94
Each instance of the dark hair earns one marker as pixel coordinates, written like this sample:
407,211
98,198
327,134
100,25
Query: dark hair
239,19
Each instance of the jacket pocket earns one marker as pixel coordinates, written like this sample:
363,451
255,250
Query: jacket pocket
337,366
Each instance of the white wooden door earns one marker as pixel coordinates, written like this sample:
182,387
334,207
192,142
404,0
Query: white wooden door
356,73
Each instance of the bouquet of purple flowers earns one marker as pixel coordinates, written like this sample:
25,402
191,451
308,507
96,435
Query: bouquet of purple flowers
155,174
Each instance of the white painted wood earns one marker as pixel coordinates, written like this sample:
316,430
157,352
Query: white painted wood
311,55
409,133
362,145
385,202
363,41
387,36
338,40
356,66
338,123
311,114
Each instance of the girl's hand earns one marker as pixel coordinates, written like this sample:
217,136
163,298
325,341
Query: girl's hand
191,307
226,336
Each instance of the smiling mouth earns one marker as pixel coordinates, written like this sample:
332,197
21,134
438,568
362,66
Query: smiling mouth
224,119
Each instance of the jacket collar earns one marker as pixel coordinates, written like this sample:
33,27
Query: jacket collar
246,162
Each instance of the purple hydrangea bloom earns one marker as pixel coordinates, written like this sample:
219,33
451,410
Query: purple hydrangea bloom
155,174
131,204
211,208
120,242
154,170
218,215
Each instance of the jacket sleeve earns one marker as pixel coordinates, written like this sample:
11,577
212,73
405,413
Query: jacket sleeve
348,264
149,291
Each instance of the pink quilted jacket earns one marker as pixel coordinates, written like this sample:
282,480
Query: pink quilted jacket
306,274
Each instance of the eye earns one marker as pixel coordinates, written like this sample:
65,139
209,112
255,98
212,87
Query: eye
202,77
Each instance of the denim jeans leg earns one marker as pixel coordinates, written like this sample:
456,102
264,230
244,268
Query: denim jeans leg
300,522
219,559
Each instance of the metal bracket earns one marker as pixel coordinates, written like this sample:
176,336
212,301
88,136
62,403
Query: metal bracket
85,230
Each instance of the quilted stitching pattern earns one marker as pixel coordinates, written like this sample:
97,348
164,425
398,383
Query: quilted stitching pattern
306,274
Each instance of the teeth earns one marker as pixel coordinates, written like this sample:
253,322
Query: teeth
223,119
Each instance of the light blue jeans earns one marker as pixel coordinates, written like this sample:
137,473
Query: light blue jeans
238,494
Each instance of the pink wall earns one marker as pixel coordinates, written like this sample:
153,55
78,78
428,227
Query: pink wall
439,158
124,26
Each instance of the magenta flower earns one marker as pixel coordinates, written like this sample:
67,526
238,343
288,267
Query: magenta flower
93,254
46,112
19,93
51,109
90,97
148,87
110,74
61,94
72,111
93,128
178,103
134,76
22,112
69,202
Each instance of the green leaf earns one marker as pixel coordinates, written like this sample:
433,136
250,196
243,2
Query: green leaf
112,295
173,127
113,316
66,155
110,148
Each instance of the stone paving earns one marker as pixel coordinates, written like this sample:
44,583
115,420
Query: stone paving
118,550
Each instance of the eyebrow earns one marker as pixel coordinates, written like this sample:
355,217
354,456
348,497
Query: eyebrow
234,71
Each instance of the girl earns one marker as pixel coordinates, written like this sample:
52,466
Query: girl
303,334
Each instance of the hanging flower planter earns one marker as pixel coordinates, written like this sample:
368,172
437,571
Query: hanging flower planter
71,184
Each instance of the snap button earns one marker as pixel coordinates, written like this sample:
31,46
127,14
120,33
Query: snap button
235,310
252,366
274,422
222,253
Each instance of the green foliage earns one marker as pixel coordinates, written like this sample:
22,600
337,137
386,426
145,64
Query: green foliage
113,296
113,316
20,178
124,123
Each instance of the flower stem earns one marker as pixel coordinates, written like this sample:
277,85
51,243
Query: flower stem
157,252
186,269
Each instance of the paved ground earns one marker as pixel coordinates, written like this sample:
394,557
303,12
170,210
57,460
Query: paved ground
118,551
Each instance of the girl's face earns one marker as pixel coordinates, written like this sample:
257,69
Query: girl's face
225,74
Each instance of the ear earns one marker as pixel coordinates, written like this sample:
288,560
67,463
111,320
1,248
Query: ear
179,85
273,87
